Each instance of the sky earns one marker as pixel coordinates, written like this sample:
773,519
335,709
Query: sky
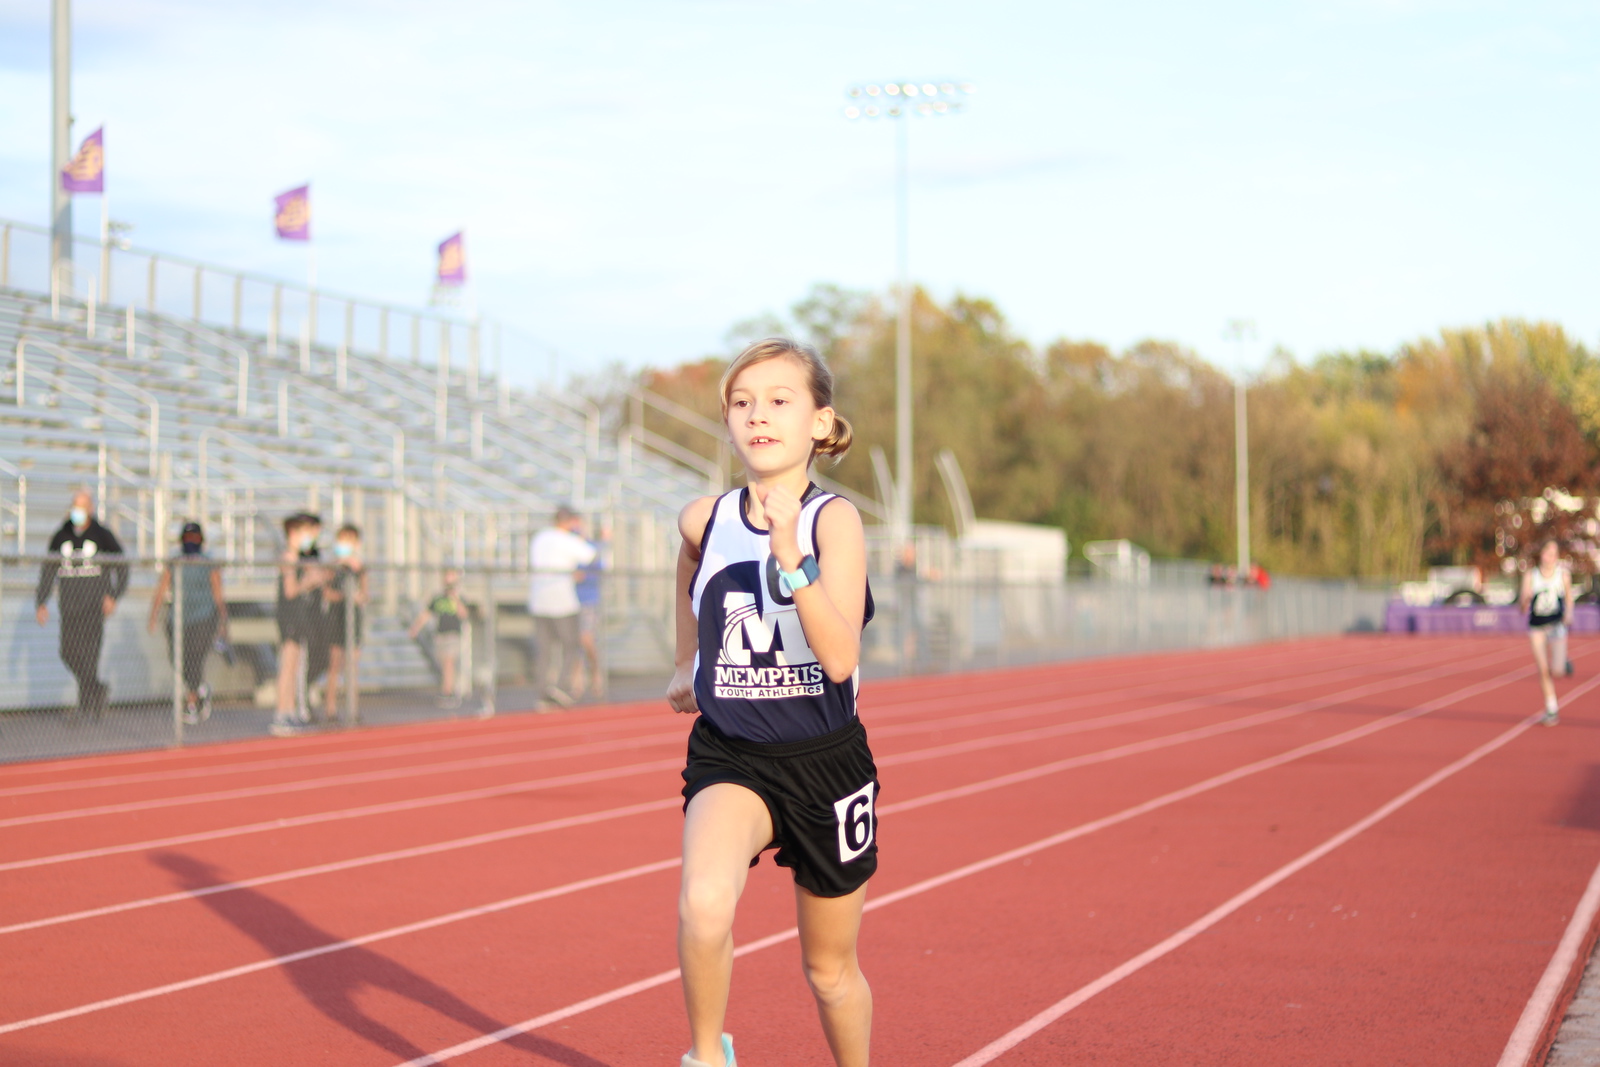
635,177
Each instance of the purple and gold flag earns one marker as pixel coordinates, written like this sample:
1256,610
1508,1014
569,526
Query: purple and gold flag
452,261
87,171
293,214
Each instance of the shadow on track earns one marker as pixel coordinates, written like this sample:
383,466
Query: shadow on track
330,983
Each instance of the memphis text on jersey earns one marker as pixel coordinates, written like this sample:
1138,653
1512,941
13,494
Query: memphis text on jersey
745,631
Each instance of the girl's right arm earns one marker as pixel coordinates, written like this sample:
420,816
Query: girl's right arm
1525,597
691,527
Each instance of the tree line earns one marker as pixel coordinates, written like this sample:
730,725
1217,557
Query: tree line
1449,449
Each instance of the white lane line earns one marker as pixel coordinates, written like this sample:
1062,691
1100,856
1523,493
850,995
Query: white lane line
354,744
1006,693
476,740
883,901
1527,1038
1298,708
1209,700
491,837
976,868
486,792
340,946
1006,1042
676,737
341,814
1013,778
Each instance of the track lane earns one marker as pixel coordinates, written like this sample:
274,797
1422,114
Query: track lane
975,723
1041,696
887,809
1226,721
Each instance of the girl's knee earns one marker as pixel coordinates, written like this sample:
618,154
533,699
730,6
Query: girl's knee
706,905
831,977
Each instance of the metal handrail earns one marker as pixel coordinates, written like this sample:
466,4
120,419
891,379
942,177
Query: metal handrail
488,479
241,353
716,477
110,378
679,412
249,276
397,433
240,444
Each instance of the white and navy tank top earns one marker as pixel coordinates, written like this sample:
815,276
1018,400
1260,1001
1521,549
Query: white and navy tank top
1548,598
755,677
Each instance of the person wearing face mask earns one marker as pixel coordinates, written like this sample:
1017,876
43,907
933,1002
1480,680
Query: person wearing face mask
205,615
349,580
86,571
301,579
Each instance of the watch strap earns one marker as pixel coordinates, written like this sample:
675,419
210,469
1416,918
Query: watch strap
808,572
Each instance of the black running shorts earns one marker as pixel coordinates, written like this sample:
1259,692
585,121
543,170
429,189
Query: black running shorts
821,793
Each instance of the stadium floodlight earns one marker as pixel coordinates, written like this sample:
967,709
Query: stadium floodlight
894,100
1241,331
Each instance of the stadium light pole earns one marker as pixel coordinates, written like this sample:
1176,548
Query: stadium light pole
1241,331
60,133
902,100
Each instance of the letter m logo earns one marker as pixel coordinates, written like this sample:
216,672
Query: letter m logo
746,630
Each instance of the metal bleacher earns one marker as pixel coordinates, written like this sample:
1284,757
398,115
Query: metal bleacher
168,417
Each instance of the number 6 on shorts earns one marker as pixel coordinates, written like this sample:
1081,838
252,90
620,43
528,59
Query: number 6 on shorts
854,813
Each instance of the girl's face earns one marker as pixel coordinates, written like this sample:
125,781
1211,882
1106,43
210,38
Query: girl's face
1549,555
772,419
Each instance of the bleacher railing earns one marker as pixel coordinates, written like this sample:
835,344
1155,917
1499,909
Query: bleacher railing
291,315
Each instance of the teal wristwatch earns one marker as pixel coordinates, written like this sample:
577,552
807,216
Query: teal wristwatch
789,581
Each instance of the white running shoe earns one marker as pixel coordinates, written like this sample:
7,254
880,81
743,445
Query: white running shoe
1551,715
727,1055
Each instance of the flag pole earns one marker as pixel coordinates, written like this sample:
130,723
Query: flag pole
105,239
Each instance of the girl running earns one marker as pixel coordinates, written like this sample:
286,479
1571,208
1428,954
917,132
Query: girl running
1547,598
772,599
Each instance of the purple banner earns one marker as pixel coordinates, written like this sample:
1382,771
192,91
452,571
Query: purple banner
87,171
1402,618
293,214
452,261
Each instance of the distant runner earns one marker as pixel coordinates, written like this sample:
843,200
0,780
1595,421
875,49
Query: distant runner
1547,598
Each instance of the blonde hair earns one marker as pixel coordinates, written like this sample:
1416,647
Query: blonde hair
820,378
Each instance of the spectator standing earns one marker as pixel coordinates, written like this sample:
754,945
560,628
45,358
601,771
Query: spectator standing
301,578
205,615
446,611
589,591
89,577
555,556
349,580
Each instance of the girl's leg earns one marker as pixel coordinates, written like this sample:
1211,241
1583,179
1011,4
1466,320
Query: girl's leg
1541,657
725,826
828,929
288,677
1558,652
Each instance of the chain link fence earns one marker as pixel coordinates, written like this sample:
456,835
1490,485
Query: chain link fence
192,650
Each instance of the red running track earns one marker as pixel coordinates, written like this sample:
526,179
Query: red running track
1340,851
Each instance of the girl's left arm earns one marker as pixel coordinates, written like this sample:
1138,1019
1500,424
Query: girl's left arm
832,610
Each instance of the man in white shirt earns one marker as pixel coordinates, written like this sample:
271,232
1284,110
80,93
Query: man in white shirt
555,556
